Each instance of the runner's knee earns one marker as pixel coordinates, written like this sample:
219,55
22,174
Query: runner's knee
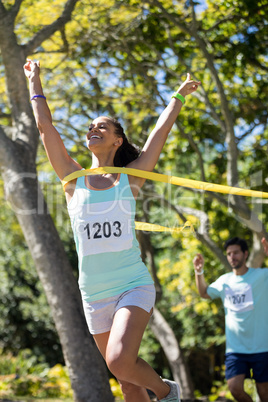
119,364
236,388
128,388
262,389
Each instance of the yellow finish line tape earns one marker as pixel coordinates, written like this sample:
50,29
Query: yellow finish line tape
151,227
164,178
178,181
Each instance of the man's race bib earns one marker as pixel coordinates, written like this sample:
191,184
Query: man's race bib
239,298
104,227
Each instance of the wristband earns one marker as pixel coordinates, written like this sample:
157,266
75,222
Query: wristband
199,273
38,96
179,96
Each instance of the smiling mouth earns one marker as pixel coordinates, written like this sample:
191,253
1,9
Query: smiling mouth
95,136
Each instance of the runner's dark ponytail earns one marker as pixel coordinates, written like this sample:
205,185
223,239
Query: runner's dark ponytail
127,152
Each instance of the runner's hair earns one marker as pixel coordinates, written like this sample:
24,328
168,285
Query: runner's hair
127,152
237,240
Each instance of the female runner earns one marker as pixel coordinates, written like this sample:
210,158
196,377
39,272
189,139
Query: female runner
117,290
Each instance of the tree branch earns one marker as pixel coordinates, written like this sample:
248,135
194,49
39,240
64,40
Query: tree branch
234,17
229,18
232,170
212,109
49,30
202,97
195,148
246,216
171,347
201,234
15,9
257,254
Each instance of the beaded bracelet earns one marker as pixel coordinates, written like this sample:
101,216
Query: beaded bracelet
38,96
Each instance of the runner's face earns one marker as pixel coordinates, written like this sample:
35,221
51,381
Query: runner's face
236,257
101,133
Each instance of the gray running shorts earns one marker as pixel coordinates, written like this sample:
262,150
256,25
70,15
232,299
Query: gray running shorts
99,314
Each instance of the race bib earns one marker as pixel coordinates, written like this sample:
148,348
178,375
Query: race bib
239,299
104,227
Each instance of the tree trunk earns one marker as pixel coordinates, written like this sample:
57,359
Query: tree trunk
88,374
87,370
172,350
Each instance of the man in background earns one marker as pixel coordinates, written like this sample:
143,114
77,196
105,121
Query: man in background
244,293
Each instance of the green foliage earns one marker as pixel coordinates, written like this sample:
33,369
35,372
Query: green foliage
25,375
116,389
25,318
